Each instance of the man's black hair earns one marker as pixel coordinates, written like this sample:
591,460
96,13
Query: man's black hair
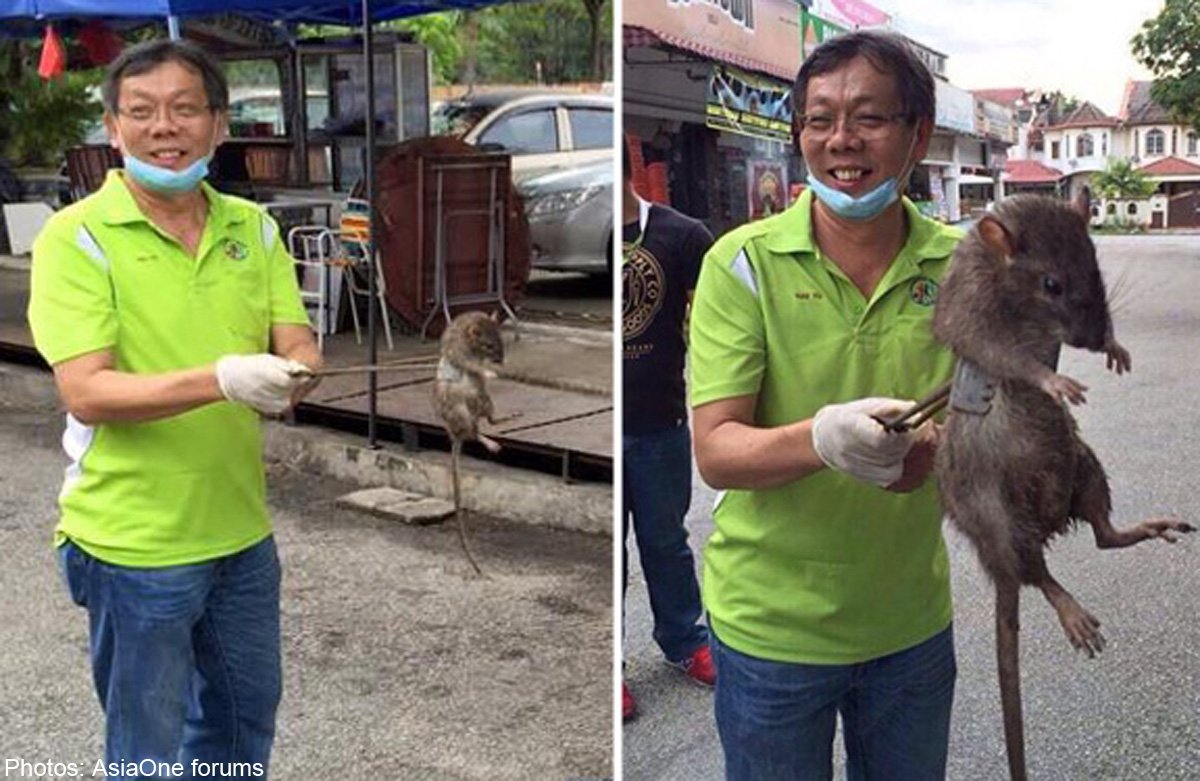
889,53
147,56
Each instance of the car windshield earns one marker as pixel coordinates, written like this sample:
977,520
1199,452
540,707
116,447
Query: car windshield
457,119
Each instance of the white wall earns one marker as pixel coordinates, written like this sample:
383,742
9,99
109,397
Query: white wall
1068,161
1126,212
1138,150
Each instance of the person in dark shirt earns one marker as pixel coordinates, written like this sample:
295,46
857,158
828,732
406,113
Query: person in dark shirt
662,254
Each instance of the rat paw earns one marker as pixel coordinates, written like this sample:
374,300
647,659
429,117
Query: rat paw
1062,387
1083,631
492,445
1117,358
1165,529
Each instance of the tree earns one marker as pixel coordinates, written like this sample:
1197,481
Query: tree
595,11
440,33
549,41
40,119
1169,45
1121,181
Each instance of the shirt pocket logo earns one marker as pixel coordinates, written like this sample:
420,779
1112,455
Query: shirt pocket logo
236,250
923,291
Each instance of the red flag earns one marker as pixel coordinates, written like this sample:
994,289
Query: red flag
54,55
101,44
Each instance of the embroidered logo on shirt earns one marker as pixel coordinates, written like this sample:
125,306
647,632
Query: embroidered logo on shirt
923,291
808,295
235,250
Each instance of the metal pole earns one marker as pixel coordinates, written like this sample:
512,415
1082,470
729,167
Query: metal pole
372,283
173,27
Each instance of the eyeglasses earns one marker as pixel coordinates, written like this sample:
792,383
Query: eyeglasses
179,113
867,126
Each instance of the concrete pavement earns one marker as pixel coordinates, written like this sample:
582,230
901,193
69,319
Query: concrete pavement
399,664
1134,712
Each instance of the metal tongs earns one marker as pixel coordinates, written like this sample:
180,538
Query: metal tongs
970,392
414,363
920,412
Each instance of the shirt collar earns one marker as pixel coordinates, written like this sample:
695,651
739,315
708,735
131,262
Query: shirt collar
793,233
123,209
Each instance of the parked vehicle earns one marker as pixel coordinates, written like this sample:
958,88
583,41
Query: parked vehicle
570,217
542,131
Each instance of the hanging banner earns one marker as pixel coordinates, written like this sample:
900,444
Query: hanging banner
740,102
850,14
815,30
758,35
767,182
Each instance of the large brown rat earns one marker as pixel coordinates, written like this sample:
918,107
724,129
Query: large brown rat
470,347
1011,467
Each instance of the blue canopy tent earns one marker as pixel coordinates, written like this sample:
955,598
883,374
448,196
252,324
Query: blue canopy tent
339,12
26,16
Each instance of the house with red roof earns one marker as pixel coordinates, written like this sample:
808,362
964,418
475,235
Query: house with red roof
1059,152
1168,152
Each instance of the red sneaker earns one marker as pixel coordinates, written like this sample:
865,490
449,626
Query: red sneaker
628,704
699,666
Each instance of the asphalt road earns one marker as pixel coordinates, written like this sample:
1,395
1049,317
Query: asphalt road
1134,712
568,298
398,662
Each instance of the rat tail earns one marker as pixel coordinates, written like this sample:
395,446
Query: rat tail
459,516
1008,661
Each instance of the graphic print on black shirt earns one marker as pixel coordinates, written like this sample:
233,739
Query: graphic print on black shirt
660,267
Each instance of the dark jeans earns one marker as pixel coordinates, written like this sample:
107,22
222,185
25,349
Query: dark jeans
657,472
185,660
776,719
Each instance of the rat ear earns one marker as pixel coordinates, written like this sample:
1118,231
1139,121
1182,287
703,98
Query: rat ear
1081,206
996,237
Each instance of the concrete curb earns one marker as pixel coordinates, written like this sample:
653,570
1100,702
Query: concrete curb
15,262
27,387
596,336
490,489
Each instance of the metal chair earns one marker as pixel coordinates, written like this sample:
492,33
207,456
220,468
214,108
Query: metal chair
323,250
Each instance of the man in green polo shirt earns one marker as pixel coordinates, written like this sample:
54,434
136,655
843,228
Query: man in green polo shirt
826,578
171,316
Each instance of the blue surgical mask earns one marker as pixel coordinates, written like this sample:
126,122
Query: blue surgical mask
864,207
868,205
167,180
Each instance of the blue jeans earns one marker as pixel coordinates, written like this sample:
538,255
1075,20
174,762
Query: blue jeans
657,472
776,719
186,659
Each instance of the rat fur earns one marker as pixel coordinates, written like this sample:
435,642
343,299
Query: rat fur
470,346
1024,281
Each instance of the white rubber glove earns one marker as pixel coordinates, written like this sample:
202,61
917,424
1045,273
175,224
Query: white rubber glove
264,382
850,440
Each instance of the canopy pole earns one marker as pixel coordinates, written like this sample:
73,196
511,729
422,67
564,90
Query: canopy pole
372,260
173,27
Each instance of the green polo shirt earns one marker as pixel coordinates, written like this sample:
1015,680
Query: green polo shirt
826,569
190,487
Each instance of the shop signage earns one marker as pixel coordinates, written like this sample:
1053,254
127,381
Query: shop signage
850,14
955,107
740,102
759,35
814,30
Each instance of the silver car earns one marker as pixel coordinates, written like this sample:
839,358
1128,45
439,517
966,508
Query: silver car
571,218
542,131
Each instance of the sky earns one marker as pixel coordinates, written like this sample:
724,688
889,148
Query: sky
1080,47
